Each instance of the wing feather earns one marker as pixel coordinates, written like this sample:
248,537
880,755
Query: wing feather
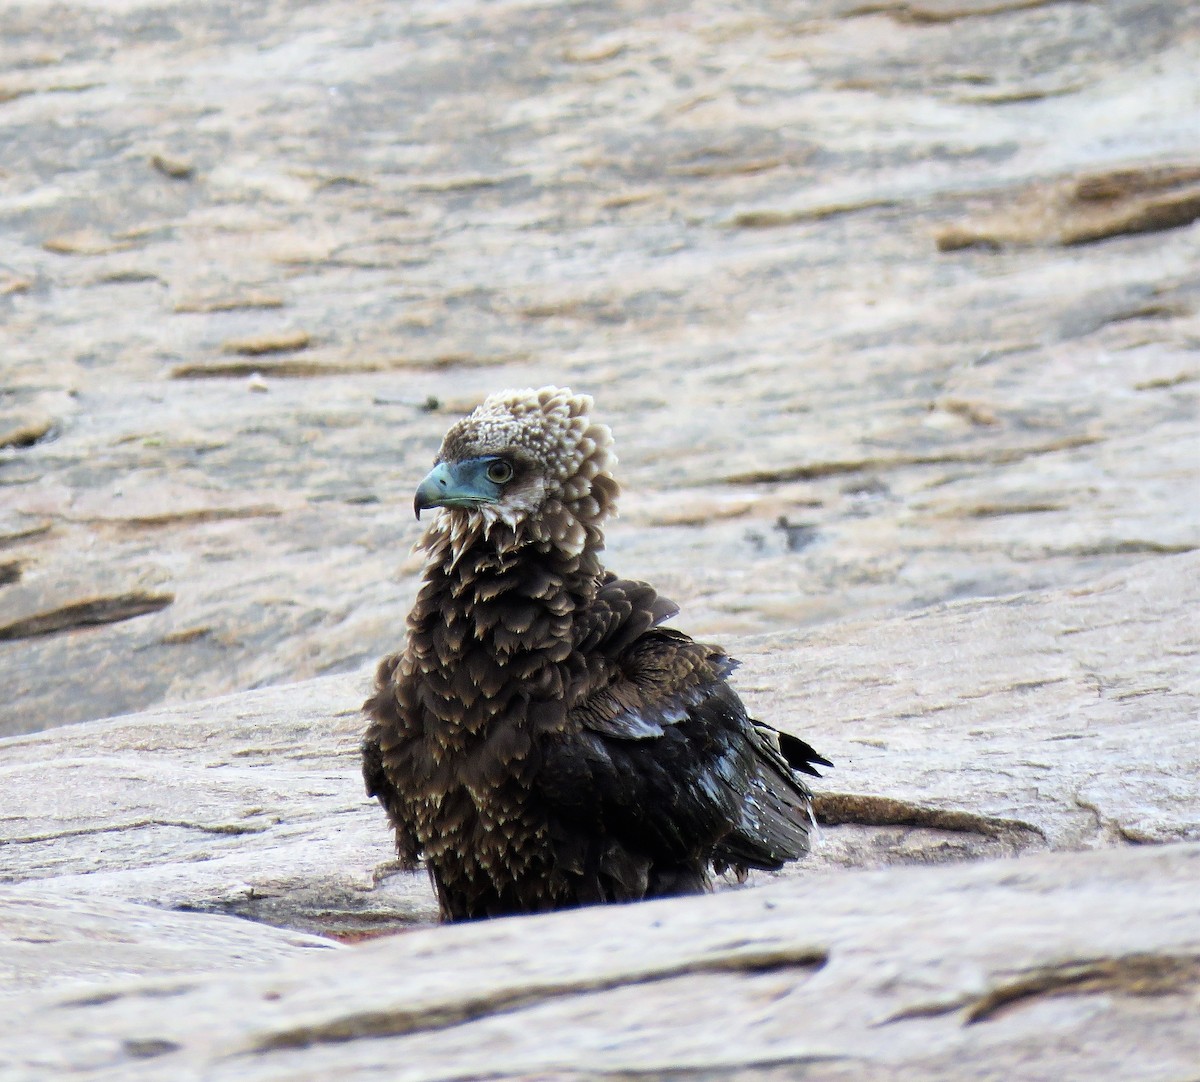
662,754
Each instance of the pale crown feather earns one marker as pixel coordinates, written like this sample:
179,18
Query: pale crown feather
570,489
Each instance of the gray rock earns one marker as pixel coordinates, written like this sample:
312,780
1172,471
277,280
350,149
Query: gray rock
75,945
1043,967
978,729
253,264
1061,720
893,309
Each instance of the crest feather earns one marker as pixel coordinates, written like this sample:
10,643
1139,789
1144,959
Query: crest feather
574,456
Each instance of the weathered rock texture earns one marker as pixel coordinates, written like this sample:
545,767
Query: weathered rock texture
981,728
254,257
984,971
893,308
1060,721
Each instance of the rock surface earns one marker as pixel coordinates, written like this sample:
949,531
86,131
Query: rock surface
887,303
980,729
894,310
977,971
74,944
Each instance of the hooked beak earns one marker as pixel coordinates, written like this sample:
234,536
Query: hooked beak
454,484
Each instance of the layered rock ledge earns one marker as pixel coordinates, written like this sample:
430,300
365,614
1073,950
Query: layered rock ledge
979,745
887,304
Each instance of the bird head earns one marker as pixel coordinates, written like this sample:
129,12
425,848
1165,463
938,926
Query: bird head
525,466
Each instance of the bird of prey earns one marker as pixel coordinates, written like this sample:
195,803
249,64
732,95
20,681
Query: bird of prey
542,741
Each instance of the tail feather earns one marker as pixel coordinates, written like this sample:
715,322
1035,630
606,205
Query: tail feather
776,813
800,754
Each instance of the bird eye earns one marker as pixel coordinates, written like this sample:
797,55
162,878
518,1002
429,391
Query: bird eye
499,472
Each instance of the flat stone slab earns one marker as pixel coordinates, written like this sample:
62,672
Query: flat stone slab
252,804
910,944
74,944
893,308
1051,966
1060,720
888,304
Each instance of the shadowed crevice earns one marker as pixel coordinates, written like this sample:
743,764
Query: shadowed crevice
816,470
834,808
435,1016
1132,975
103,610
916,13
25,434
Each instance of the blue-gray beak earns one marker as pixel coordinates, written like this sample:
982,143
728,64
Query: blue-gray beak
456,484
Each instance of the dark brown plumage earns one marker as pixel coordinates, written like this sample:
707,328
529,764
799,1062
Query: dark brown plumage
542,741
